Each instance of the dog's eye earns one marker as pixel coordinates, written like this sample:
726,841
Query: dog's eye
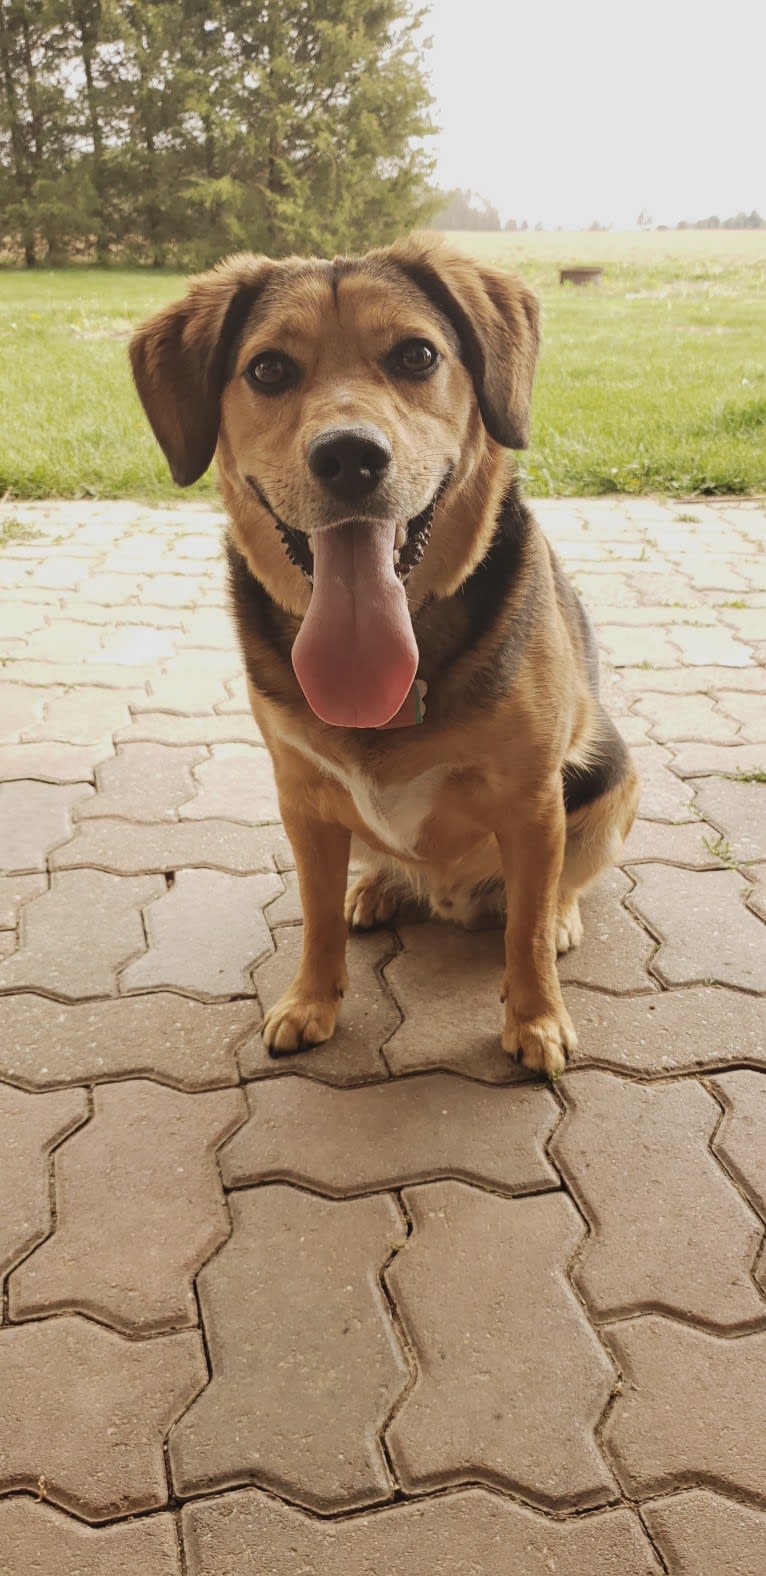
271,372
414,358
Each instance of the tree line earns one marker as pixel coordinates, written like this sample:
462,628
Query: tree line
172,131
467,210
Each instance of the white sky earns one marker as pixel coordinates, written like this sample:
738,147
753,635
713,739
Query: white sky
567,111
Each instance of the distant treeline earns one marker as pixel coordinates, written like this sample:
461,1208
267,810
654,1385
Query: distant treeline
176,130
740,221
467,210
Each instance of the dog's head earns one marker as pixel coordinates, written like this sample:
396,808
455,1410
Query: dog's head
351,405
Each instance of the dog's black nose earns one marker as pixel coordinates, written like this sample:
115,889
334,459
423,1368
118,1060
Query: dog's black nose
350,461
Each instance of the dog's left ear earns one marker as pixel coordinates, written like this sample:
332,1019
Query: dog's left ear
181,360
497,320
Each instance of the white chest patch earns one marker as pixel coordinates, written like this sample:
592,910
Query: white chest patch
395,814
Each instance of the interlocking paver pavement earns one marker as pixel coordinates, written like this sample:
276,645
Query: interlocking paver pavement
189,1044
474,1323
205,935
615,950
482,1292
702,1534
75,938
31,1124
128,848
37,1540
671,1032
692,1406
143,782
15,890
615,1146
736,809
34,819
50,762
139,1209
86,1411
705,930
306,1364
342,1142
741,1138
460,1534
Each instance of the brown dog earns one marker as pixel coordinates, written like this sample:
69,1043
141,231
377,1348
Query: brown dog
360,411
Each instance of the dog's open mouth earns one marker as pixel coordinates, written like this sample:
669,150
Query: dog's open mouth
410,540
355,655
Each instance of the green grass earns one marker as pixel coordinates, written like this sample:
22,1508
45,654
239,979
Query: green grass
654,381
13,530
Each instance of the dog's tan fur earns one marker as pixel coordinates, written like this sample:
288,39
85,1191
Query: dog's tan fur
472,803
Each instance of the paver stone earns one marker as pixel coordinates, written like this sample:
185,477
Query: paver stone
511,1380
140,1208
306,1365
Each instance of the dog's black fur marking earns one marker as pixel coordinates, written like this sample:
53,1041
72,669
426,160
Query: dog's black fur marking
497,619
570,604
582,785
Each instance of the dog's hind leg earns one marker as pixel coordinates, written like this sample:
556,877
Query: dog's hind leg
376,894
596,829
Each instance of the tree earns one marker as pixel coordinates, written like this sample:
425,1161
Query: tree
174,130
33,119
466,210
323,111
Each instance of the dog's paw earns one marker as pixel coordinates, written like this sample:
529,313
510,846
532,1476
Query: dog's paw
540,1043
296,1023
569,926
370,901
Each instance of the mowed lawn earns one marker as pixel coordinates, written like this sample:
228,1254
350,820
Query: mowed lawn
655,380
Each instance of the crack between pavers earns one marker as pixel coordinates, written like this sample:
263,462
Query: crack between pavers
575,1514
405,1345
397,947
432,1179
654,1546
49,782
158,869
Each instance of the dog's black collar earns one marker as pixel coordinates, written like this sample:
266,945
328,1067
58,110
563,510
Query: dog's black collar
297,547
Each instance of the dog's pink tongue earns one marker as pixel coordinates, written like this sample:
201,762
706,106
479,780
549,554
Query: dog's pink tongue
355,654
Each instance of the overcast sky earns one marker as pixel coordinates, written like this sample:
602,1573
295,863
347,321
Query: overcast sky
567,111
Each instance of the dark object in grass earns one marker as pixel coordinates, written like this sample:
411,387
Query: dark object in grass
580,276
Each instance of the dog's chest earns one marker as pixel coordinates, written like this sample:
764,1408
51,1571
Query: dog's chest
397,813
394,813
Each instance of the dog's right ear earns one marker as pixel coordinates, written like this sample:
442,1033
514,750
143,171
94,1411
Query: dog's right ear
181,358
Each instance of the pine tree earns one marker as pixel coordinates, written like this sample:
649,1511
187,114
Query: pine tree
175,130
320,115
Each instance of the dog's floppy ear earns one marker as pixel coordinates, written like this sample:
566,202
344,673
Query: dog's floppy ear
496,318
180,359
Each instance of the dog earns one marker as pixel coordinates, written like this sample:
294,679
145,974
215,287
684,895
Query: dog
419,666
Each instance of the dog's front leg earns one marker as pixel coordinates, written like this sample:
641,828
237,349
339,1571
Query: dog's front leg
537,1025
307,1012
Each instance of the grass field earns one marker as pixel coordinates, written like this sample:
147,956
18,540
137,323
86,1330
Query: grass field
653,381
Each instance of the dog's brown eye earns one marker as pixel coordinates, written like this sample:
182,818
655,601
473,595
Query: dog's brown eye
414,357
271,372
